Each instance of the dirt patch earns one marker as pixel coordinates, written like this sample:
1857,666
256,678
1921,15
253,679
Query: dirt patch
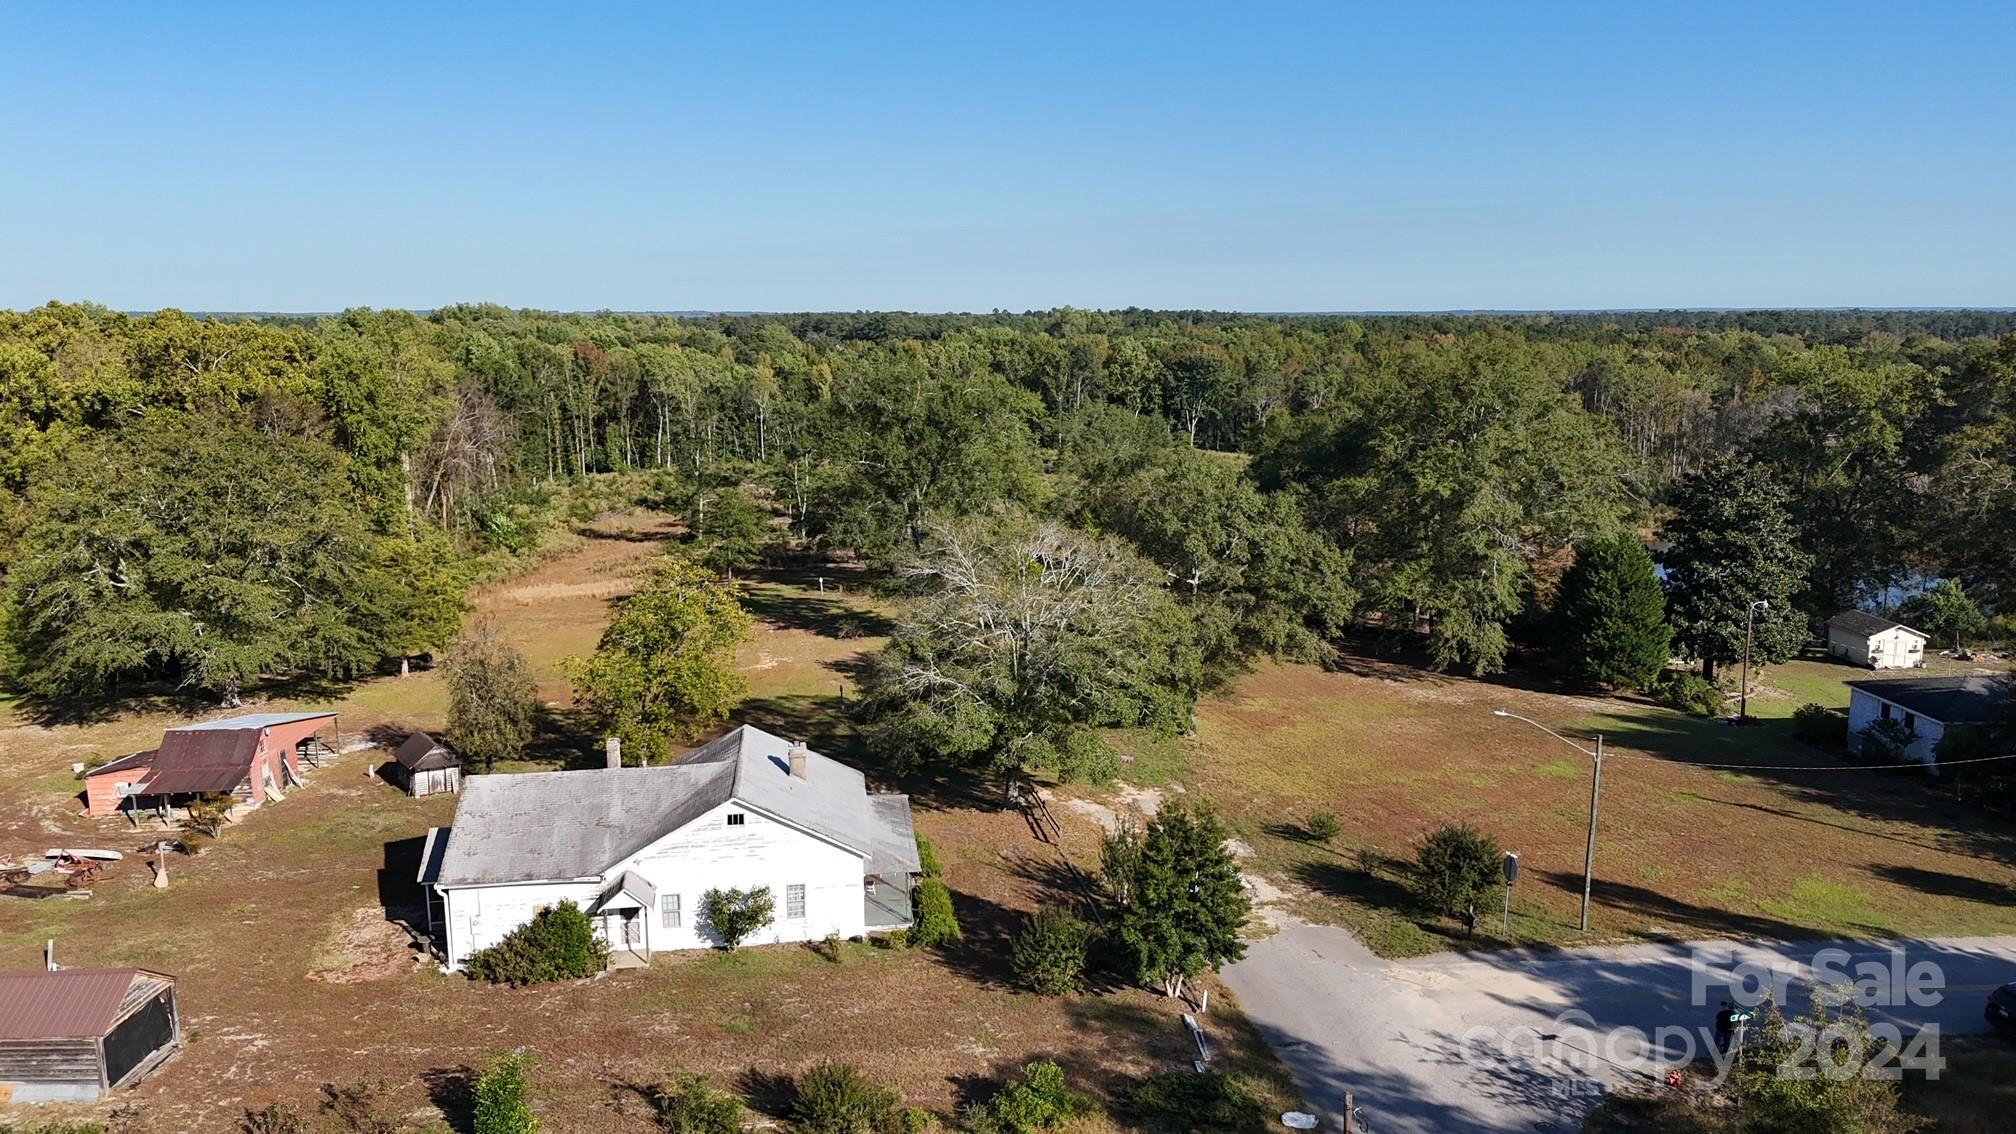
366,947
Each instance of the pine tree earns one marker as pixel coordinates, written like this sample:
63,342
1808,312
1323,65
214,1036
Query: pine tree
1177,902
1732,544
1613,614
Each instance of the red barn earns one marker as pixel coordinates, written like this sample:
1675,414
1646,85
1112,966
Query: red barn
251,757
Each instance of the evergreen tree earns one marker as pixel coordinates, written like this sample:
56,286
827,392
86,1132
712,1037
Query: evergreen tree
1613,614
1732,543
1177,901
1456,866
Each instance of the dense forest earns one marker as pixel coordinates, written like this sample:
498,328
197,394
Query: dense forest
206,500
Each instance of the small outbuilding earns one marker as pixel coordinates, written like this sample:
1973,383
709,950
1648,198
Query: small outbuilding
428,767
71,1035
1866,639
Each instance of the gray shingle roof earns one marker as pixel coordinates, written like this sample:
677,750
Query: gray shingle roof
893,848
1948,700
564,825
1864,624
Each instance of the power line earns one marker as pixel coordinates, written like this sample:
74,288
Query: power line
1615,755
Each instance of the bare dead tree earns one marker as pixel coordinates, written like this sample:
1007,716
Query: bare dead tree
464,456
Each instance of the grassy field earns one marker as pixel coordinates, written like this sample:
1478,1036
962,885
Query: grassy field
292,976
1682,851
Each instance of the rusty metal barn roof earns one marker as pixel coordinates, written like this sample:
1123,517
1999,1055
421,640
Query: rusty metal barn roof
69,1003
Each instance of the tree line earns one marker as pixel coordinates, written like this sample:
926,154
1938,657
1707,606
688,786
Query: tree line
210,499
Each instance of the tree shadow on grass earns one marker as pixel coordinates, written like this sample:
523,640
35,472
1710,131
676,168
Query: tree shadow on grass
987,937
565,737
452,1090
1354,884
1947,885
768,1093
1688,920
828,616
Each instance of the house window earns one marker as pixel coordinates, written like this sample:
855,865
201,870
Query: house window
1911,723
794,900
735,818
668,911
1886,710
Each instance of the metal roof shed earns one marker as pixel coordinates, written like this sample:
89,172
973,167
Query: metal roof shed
70,1035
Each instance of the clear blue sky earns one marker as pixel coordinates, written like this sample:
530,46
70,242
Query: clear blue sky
958,156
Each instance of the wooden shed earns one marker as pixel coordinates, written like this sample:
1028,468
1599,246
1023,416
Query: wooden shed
71,1035
426,766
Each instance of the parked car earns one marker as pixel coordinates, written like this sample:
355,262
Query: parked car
2001,1011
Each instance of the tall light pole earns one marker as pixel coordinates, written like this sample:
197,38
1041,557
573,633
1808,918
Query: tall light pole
1749,635
1595,797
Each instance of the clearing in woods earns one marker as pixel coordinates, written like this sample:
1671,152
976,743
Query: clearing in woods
292,977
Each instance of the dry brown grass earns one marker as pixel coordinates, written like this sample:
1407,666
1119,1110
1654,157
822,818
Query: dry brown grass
291,978
1682,851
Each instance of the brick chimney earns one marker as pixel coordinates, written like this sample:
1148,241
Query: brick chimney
797,754
613,747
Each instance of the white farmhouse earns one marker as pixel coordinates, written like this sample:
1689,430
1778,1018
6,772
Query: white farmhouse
1864,639
1924,706
637,848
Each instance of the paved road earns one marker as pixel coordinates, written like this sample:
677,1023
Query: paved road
1528,1041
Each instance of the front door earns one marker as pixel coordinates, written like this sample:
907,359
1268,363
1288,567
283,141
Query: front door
633,931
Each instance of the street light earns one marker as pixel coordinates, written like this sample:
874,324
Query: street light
1749,634
1595,794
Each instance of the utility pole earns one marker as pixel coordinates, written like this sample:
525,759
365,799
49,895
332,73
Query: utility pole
1749,635
1595,798
1589,854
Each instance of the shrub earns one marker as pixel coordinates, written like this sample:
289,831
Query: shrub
1206,1103
361,1108
691,1105
1818,724
1050,952
927,859
735,914
1884,741
559,943
1040,1101
500,1097
1456,865
1324,826
936,923
1691,693
273,1118
835,1098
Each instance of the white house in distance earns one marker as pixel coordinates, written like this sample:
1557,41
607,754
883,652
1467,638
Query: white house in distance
1925,706
1866,639
637,848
